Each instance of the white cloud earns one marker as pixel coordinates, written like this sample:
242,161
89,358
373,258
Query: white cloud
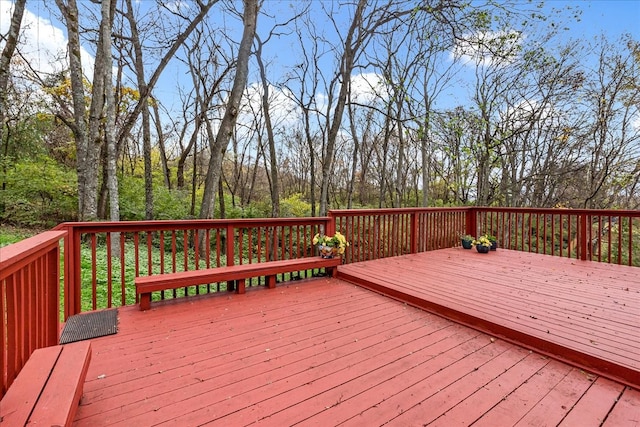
528,110
635,122
41,43
367,88
178,6
489,48
282,108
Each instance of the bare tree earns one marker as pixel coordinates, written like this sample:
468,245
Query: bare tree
273,160
11,41
612,138
138,61
86,165
356,37
87,132
219,144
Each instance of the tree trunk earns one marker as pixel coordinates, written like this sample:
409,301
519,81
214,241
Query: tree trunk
425,157
400,167
312,164
163,153
146,116
219,146
5,63
185,154
354,158
108,8
87,207
273,161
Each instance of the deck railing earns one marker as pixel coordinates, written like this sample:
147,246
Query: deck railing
381,233
29,283
102,259
594,235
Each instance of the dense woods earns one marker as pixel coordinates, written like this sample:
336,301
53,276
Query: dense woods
222,108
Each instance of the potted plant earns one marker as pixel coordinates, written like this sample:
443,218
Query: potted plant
467,240
493,240
330,246
482,244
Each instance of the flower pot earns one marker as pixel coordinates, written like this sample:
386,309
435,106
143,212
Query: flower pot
326,251
483,249
494,246
467,244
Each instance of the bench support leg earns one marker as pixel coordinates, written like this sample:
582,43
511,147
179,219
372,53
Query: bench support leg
231,285
271,282
145,301
240,286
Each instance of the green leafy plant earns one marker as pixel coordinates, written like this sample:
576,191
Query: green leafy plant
466,237
483,241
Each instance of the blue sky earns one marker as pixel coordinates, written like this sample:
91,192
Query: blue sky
613,17
44,35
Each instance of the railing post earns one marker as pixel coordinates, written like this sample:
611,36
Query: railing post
52,299
471,221
67,271
72,276
414,232
582,236
330,225
230,252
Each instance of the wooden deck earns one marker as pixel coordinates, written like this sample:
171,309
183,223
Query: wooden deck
582,312
326,352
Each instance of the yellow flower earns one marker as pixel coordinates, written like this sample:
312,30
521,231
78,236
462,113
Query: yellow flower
483,241
338,241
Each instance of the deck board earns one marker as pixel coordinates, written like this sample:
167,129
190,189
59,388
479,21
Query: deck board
583,312
326,352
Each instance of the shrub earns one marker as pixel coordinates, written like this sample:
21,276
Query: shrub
39,193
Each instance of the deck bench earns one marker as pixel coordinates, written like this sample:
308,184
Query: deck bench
145,285
48,389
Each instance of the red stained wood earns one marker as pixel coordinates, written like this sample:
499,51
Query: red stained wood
29,307
627,410
58,402
17,404
321,352
595,403
147,284
582,312
49,387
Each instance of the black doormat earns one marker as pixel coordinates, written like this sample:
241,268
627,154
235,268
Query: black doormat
90,325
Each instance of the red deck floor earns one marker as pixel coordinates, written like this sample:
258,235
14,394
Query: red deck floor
586,313
325,352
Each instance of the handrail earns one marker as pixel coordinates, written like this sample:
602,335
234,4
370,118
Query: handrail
585,234
380,233
30,269
137,248
29,301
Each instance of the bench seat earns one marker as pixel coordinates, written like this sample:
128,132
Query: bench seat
48,389
145,285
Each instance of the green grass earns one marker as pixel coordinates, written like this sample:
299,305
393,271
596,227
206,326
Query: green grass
118,290
10,235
